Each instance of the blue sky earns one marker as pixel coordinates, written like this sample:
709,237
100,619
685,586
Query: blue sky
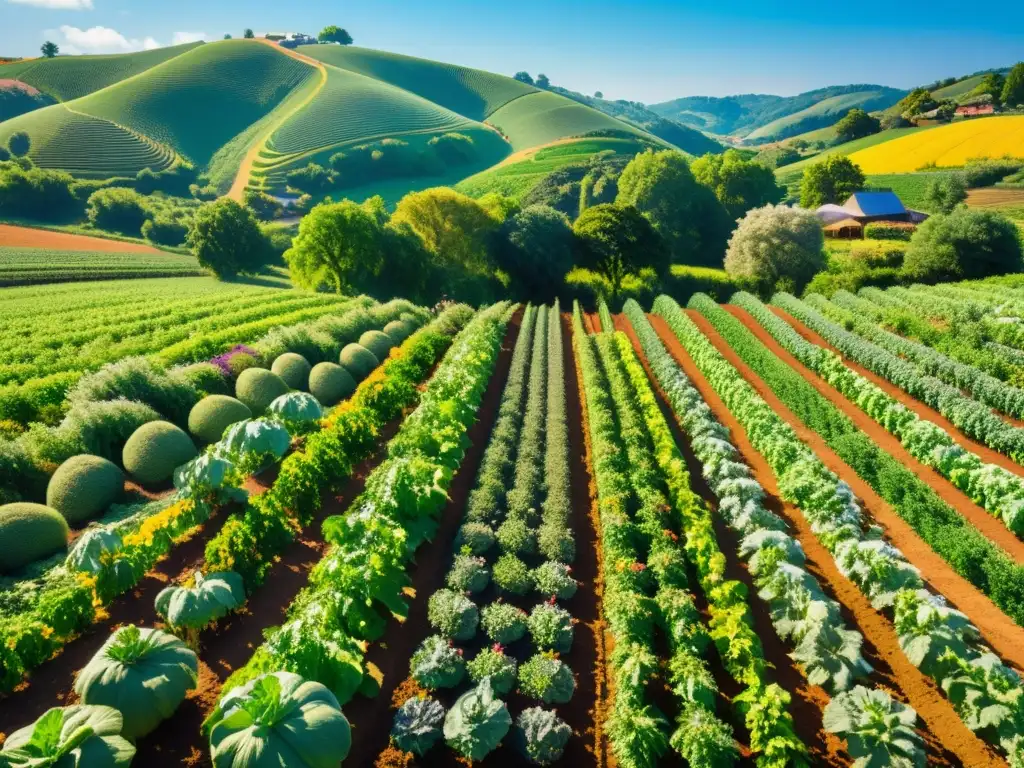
645,50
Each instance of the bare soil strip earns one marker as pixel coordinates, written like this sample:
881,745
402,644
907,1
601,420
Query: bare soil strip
595,322
371,719
947,740
992,528
12,236
924,411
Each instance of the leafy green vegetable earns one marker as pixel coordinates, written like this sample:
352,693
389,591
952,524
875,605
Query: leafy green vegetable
69,737
278,719
212,597
503,622
704,740
418,725
143,673
546,678
541,735
203,475
87,553
297,410
879,731
252,443
437,664
494,663
453,614
477,722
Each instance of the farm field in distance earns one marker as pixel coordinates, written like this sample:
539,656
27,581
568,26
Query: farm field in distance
447,389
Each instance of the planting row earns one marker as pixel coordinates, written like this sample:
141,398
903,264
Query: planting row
939,641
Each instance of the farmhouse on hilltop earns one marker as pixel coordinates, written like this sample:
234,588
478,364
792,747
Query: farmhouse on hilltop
848,220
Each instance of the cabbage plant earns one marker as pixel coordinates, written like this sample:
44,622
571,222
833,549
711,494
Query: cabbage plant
143,673
253,443
193,608
278,719
298,411
418,725
87,553
477,722
69,737
879,730
205,475
541,735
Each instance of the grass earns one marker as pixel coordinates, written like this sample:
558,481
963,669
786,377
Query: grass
786,173
945,146
24,266
516,179
71,77
825,111
471,93
541,118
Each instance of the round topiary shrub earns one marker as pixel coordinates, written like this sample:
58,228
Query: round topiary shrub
155,450
258,388
212,415
330,383
294,369
398,331
83,487
29,532
378,343
358,361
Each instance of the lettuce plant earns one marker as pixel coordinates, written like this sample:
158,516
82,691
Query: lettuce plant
278,719
68,737
453,614
551,627
637,735
206,475
437,664
477,722
546,678
555,579
193,608
143,673
879,730
417,725
469,574
512,576
503,622
494,663
704,740
479,537
541,735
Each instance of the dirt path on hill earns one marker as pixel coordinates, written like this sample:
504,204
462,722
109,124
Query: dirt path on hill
947,740
12,236
371,719
245,169
1005,637
989,526
921,409
809,701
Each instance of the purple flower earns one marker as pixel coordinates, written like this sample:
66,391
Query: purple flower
223,361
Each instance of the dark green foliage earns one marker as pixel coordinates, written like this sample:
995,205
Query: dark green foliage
294,369
19,144
617,242
36,193
226,238
1013,89
437,663
479,537
966,244
453,614
503,622
118,210
738,184
335,34
945,192
29,532
266,207
535,249
358,361
330,383
453,149
212,415
165,230
155,450
777,157
468,574
576,187
856,125
312,178
139,380
512,575
831,180
496,664
258,388
83,487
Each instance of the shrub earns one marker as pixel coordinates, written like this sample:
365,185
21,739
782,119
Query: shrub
965,245
358,361
469,574
437,664
330,383
29,532
165,230
83,487
238,364
212,415
512,575
551,627
517,537
226,238
294,369
503,622
541,735
889,230
378,343
205,378
479,537
155,450
494,663
683,281
547,679
776,248
312,178
138,380
453,614
553,578
398,330
258,388
944,193
453,148
117,210
37,193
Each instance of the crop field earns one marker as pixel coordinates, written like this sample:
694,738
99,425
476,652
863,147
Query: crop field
946,145
774,533
23,266
71,77
517,176
472,93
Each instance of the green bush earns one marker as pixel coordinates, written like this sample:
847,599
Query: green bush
205,378
889,230
83,487
138,380
294,369
683,281
398,330
378,343
358,361
330,383
118,210
164,230
258,388
968,244
155,450
29,532
212,415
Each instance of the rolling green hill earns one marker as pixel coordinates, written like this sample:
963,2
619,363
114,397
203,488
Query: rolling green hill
70,77
824,113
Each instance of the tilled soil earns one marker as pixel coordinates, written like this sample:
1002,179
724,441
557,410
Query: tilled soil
13,236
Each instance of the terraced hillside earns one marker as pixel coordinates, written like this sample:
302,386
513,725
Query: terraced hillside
71,77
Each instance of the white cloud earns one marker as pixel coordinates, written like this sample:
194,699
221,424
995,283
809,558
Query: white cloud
106,40
60,5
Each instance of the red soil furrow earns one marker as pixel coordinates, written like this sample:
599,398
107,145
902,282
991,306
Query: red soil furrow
921,409
989,526
595,322
947,740
809,701
371,719
26,237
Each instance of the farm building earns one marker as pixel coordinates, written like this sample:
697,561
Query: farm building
976,106
848,220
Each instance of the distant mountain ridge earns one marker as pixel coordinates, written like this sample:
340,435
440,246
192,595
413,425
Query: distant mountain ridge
747,114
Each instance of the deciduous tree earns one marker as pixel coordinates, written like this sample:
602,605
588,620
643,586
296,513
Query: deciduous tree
335,34
618,241
248,35
535,249
49,49
964,245
856,125
1013,88
946,192
776,247
738,184
19,143
225,237
831,180
523,77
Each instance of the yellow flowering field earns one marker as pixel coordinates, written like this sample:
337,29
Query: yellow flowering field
947,145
